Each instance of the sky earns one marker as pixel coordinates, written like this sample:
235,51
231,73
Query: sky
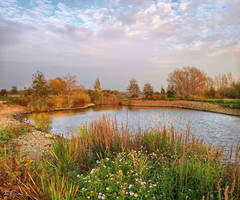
116,40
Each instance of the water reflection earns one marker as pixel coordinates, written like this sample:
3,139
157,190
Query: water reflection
217,129
42,121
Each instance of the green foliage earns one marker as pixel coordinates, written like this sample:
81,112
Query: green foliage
148,90
123,176
8,133
40,86
102,161
3,92
170,93
211,93
14,90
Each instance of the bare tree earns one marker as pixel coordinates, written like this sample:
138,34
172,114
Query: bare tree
188,81
133,88
71,82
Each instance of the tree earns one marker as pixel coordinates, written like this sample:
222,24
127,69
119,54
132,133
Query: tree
188,81
97,85
58,86
71,82
148,90
3,92
211,93
40,87
133,88
170,92
14,90
163,93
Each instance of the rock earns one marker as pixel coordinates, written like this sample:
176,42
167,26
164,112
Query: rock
49,136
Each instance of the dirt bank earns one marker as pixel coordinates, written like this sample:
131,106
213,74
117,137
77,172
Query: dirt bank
202,106
33,143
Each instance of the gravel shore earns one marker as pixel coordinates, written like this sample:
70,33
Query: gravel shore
33,143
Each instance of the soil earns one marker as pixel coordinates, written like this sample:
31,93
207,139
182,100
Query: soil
32,144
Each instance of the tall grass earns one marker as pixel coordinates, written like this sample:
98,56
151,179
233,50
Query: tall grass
185,163
106,160
107,100
58,102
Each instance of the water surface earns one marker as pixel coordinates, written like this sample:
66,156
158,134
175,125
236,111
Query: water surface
214,128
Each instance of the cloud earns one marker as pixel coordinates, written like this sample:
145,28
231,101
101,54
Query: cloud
138,36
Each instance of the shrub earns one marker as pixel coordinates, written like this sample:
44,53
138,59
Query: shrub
79,100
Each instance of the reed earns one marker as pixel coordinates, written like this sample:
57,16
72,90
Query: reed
105,157
194,165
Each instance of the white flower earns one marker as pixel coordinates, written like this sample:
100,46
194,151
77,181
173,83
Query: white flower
143,183
130,186
92,171
97,161
78,175
131,193
88,197
107,188
136,195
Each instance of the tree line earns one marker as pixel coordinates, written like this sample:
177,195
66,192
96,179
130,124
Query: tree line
190,82
184,82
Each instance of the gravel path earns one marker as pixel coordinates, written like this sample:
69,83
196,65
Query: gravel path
31,144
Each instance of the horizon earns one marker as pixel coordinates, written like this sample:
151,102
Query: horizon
116,41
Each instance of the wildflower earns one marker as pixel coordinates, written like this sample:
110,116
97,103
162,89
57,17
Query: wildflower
130,186
143,183
88,197
78,175
107,188
92,171
97,161
131,193
136,195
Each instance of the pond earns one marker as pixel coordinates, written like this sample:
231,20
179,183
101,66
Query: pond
214,128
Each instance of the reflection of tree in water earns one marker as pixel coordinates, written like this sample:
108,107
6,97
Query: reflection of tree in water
42,121
106,107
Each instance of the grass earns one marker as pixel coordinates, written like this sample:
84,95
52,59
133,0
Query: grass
103,161
8,133
227,103
57,102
